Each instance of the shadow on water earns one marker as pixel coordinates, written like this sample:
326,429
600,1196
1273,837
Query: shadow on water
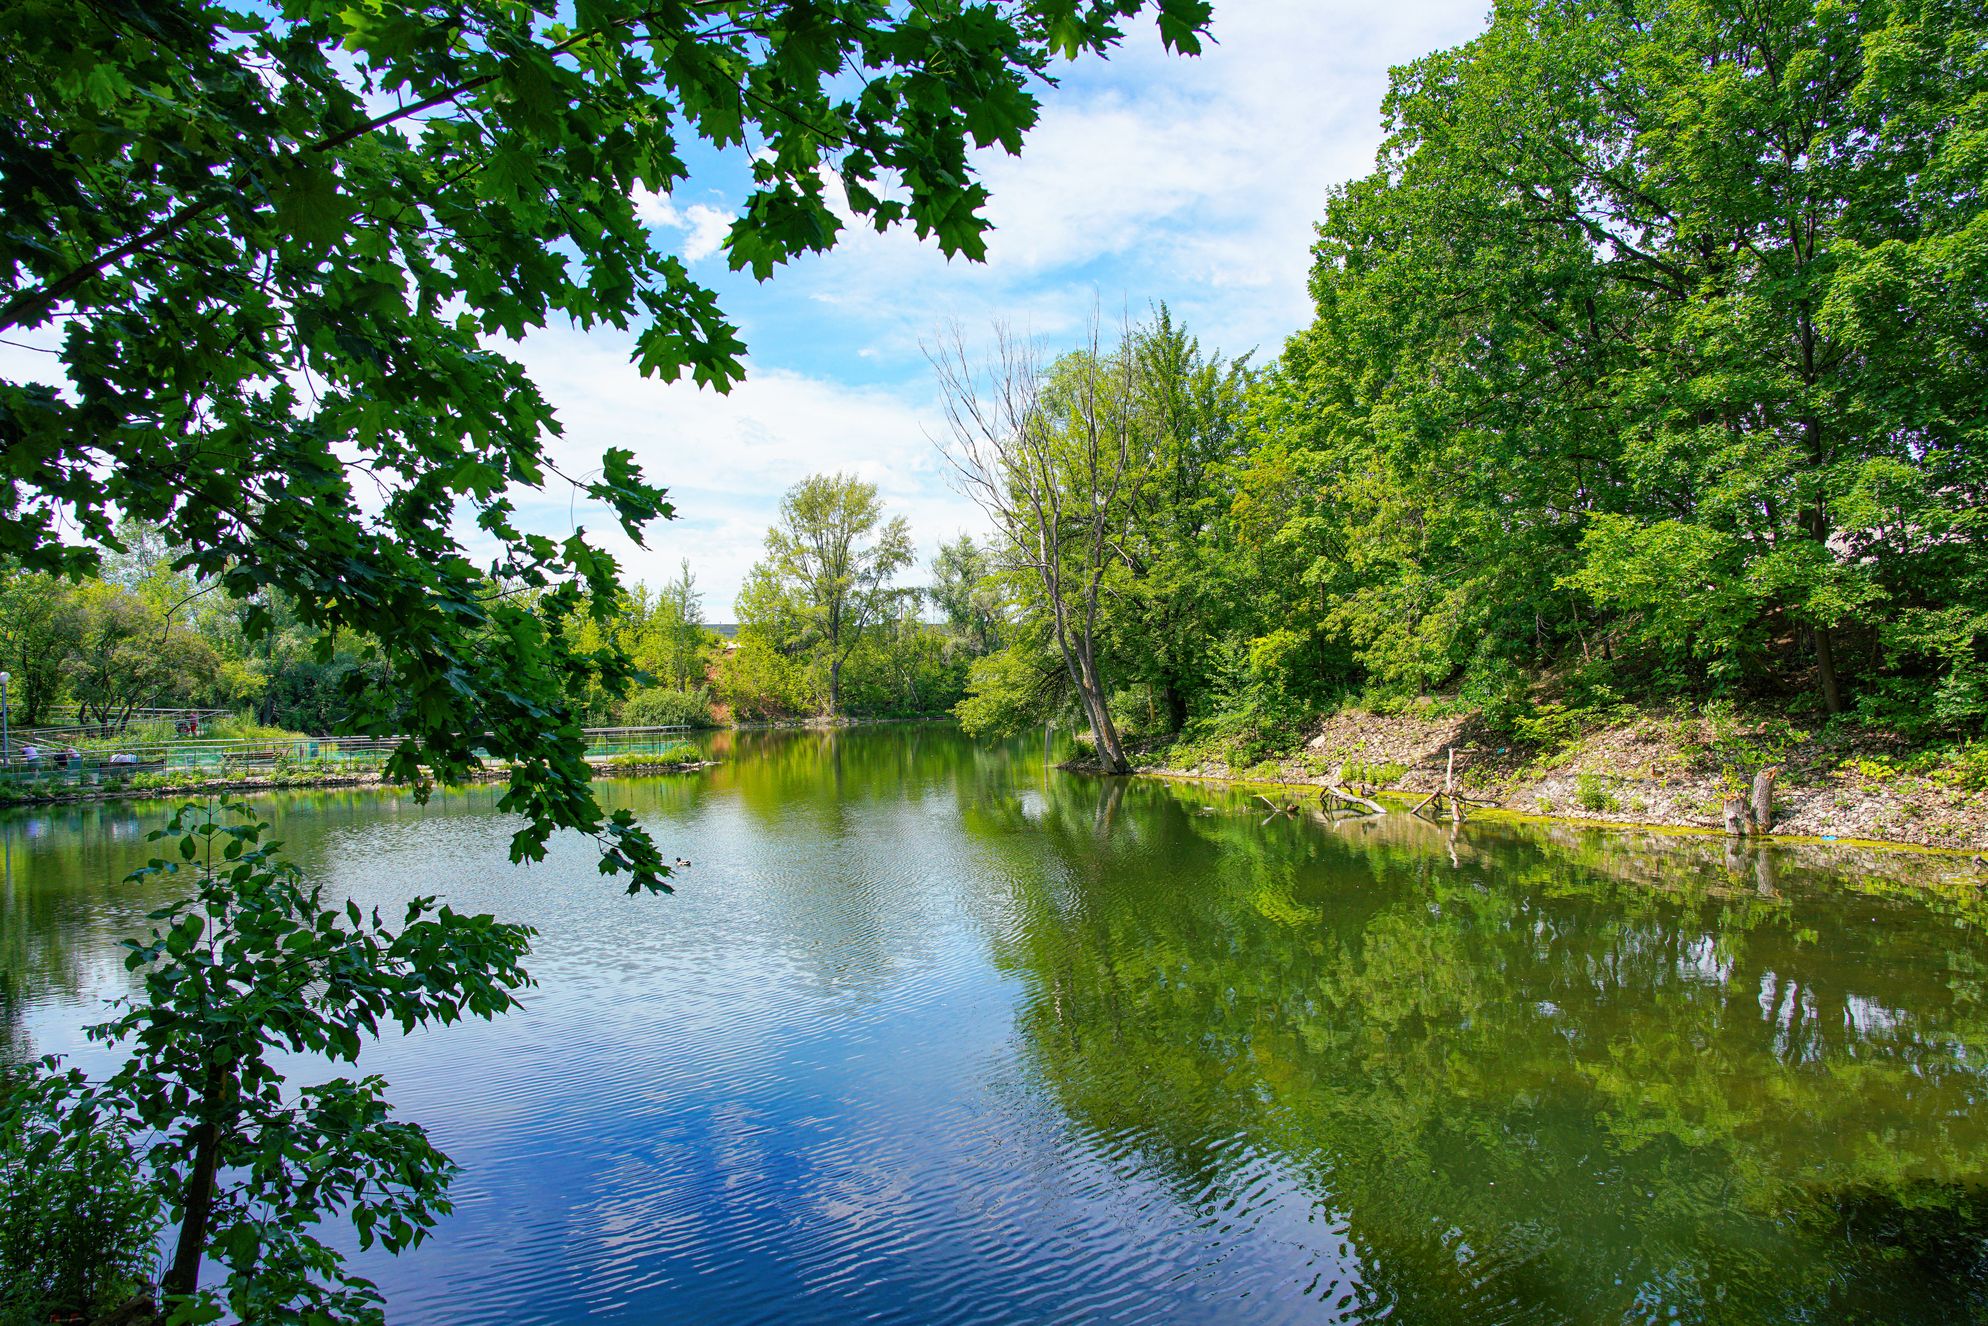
936,1032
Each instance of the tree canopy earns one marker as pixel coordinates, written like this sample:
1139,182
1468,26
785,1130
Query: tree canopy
1667,313
827,580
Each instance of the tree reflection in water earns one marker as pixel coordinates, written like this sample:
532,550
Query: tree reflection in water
1570,1076
1518,1073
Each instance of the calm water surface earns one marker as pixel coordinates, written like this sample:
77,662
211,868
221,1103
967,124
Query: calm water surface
934,1033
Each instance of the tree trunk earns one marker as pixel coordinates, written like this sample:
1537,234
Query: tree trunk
835,688
1825,667
183,1277
1111,751
1174,700
1735,817
1114,759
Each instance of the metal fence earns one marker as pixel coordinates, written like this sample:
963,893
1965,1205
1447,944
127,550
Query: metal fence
55,760
56,734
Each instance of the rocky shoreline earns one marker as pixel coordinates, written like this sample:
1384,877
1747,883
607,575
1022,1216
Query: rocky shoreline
1650,772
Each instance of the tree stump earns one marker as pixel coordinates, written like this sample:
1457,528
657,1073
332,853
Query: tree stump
1763,799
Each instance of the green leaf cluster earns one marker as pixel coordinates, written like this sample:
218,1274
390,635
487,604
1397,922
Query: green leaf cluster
251,966
280,247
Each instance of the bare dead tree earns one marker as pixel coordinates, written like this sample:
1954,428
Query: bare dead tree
1049,474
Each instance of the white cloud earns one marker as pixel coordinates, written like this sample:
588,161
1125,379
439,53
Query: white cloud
727,459
1197,180
705,226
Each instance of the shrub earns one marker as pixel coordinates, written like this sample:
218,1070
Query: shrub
1548,726
1500,690
18,789
243,727
1966,768
1744,749
758,682
1239,740
1592,792
656,706
77,1221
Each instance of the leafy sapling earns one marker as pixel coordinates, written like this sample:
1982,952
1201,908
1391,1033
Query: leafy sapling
251,963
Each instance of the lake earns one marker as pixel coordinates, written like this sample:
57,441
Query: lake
933,1032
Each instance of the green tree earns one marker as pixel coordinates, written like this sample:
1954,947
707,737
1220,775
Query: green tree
250,964
759,683
669,635
41,625
963,590
277,240
1107,475
1175,607
1048,455
130,655
1638,277
829,567
905,665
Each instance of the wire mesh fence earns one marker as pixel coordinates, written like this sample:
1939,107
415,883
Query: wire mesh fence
37,757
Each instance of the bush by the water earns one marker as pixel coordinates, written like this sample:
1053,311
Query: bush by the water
657,706
78,1222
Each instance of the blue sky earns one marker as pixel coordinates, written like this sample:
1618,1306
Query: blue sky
1151,177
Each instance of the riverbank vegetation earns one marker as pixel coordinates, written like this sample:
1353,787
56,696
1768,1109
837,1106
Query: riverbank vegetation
1645,378
826,629
1640,388
284,772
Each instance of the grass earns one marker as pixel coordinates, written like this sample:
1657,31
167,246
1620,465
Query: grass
241,727
681,753
1377,775
284,773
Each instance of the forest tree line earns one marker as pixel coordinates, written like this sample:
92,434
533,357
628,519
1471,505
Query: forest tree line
1648,364
826,629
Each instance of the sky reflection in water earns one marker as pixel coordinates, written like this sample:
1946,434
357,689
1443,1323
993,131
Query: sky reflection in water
933,1032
